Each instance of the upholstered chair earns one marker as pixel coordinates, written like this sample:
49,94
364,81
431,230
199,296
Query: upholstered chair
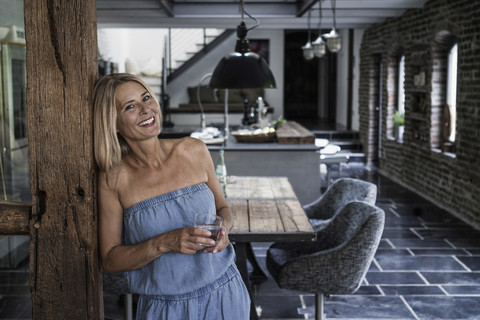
337,262
341,192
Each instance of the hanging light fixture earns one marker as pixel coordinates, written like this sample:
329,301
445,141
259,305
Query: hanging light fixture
308,48
319,45
334,41
242,68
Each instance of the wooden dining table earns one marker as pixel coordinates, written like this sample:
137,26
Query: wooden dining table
265,209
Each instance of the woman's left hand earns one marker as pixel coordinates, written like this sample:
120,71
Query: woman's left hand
222,242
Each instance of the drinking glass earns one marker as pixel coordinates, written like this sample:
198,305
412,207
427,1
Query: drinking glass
210,222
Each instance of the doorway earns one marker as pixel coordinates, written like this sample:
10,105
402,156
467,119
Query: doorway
309,92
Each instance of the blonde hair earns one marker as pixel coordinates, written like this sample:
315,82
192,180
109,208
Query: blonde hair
110,147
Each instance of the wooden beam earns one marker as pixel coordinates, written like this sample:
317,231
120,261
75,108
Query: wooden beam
65,279
14,218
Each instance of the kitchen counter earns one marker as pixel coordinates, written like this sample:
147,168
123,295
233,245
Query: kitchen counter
233,145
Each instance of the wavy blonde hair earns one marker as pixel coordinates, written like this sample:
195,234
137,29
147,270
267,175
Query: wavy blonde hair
110,147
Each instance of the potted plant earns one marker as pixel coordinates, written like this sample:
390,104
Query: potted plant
399,124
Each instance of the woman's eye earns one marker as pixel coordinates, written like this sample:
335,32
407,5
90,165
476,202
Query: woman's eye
146,98
130,106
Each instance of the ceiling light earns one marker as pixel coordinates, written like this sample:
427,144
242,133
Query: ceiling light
319,45
308,48
334,41
242,68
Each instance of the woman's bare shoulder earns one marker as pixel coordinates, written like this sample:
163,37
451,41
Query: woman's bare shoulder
189,145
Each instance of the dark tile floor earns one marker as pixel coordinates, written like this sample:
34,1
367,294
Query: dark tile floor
427,265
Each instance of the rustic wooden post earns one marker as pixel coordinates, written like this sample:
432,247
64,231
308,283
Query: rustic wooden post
61,69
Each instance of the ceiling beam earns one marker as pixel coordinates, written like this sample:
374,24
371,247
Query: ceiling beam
167,5
304,5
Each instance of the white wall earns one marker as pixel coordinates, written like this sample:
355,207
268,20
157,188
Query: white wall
141,46
357,41
342,80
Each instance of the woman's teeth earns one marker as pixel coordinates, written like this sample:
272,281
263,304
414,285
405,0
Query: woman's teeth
148,121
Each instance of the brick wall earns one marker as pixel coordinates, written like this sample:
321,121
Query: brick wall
450,179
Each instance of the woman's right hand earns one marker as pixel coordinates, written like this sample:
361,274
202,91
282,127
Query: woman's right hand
186,240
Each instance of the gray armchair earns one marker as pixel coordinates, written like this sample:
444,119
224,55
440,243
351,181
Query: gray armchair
341,192
337,262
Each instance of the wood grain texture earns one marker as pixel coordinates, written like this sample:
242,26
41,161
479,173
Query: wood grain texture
239,210
267,209
62,49
292,132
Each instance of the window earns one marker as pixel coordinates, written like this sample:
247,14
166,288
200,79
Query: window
401,86
399,114
452,93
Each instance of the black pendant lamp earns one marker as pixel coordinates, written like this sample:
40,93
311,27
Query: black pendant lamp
242,68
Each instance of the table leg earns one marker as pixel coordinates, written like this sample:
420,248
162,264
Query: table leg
257,276
241,252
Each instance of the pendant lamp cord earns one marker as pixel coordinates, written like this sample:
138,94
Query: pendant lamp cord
320,18
308,23
243,11
333,11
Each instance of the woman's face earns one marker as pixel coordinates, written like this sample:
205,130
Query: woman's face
137,112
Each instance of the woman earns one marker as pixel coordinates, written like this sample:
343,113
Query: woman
149,191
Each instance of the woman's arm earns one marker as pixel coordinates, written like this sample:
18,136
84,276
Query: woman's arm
119,258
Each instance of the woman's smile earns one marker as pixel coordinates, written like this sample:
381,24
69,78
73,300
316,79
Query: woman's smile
147,123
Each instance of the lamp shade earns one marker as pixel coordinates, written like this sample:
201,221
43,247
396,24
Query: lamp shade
308,51
242,70
319,47
334,41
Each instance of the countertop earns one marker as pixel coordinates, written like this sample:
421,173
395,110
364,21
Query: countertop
233,145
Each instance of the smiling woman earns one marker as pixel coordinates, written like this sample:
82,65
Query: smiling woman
108,148
149,191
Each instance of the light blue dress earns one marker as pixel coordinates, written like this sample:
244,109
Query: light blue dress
181,286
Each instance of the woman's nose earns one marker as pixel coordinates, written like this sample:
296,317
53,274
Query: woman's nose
143,108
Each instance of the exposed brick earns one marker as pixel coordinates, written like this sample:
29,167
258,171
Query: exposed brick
452,181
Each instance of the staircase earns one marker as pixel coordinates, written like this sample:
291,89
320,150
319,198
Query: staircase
187,46
186,43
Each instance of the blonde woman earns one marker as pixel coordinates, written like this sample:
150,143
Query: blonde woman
149,191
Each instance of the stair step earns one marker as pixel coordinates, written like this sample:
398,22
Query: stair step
353,145
336,135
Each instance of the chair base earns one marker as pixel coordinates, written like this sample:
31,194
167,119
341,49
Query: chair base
319,315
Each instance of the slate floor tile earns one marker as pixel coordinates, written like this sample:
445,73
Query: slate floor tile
279,306
419,243
465,243
445,307
392,252
396,233
443,233
411,290
446,263
354,307
439,252
394,278
475,252
463,290
451,278
472,262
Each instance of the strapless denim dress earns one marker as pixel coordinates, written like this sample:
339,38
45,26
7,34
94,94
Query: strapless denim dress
181,286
